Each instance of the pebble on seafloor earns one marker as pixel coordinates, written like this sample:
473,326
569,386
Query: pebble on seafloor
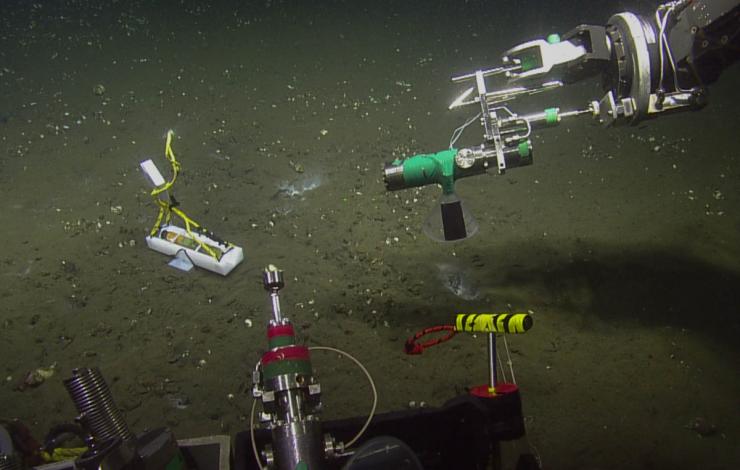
702,427
36,377
417,404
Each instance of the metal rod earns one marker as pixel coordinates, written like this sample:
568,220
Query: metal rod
276,313
492,360
487,73
577,112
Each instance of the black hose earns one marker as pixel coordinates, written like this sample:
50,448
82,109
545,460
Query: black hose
62,433
381,453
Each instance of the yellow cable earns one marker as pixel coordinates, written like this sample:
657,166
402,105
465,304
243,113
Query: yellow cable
166,209
170,155
63,453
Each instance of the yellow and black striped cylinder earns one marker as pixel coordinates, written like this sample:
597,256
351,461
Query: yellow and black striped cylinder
493,322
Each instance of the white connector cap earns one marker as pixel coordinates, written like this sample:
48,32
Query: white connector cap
152,172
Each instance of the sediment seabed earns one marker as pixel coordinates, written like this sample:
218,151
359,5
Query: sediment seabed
605,373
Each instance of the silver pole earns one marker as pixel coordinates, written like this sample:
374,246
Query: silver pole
492,360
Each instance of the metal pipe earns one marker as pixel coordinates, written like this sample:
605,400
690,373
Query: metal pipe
492,360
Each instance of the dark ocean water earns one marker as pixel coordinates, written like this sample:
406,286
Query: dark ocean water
623,242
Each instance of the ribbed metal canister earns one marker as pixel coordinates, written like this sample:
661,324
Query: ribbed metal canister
94,402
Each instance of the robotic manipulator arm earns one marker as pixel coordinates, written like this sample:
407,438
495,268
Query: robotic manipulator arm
651,66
